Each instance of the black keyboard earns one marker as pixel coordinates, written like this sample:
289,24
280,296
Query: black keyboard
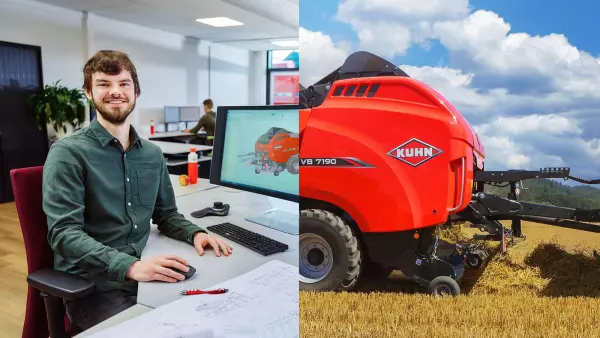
251,240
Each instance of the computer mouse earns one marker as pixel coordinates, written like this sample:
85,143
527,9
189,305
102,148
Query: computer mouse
188,274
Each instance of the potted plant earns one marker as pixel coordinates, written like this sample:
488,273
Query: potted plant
59,106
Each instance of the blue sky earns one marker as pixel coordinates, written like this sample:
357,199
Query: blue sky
525,74
576,22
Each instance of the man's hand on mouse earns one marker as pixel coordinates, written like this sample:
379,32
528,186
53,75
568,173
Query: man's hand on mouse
158,268
202,239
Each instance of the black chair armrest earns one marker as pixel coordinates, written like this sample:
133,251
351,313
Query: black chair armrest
60,284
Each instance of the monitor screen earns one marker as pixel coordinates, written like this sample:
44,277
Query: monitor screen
172,127
190,114
256,149
171,115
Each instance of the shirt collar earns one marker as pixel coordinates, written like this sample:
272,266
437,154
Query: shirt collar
104,137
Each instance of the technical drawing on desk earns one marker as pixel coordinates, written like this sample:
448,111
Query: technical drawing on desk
279,280
261,303
222,306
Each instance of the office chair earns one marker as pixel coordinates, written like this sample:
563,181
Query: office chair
45,311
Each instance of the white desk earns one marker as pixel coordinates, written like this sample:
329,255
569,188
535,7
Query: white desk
182,190
211,270
173,148
130,313
170,134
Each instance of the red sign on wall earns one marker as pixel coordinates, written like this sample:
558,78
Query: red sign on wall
285,89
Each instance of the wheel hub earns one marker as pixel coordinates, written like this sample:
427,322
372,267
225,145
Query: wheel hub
443,290
316,258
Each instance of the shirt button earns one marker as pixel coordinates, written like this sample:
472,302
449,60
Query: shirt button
129,203
135,226
127,179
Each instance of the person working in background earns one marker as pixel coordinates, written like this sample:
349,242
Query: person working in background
102,187
207,122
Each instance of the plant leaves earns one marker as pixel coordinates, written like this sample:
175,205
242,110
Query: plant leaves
59,105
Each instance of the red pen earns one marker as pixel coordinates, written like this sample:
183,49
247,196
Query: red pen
200,292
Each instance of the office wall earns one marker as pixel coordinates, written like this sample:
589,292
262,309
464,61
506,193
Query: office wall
57,31
258,78
172,69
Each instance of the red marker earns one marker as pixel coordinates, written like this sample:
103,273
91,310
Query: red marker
200,292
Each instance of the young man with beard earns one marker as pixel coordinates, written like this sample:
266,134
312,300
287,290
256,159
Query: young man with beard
102,187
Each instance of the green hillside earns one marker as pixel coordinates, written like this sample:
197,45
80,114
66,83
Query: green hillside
555,193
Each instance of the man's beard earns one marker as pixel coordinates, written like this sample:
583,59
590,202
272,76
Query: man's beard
114,115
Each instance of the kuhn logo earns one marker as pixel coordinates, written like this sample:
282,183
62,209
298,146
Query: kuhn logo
415,152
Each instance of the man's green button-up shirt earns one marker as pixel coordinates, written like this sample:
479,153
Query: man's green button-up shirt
101,200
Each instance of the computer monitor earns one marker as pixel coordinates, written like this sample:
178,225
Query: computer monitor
190,114
256,149
171,114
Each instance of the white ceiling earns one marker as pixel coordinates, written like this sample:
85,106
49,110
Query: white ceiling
263,20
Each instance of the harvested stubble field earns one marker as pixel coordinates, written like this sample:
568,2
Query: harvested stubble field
545,286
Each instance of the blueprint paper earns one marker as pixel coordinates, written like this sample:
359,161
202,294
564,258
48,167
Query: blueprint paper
262,303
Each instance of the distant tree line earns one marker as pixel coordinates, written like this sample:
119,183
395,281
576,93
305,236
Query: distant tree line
545,191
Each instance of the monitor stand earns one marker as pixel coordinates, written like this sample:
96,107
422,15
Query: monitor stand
283,216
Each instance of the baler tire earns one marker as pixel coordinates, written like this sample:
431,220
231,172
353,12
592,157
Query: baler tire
346,265
292,163
449,284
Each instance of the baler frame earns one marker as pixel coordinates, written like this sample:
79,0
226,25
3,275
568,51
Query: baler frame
437,266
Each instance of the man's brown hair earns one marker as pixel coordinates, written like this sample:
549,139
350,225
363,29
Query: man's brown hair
109,62
209,103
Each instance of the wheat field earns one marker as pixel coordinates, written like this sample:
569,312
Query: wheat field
546,286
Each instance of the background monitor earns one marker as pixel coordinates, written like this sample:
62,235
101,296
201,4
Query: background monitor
171,114
256,149
190,114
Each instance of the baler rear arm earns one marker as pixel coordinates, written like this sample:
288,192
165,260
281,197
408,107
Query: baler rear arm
486,210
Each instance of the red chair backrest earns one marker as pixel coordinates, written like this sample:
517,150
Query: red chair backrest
27,189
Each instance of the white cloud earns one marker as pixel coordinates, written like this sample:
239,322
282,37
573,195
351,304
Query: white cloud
547,124
502,152
551,124
486,38
407,10
485,43
398,38
389,27
319,56
512,143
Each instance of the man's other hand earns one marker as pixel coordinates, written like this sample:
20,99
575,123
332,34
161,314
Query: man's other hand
158,268
202,239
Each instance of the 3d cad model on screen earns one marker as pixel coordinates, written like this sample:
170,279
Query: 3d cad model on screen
261,148
274,152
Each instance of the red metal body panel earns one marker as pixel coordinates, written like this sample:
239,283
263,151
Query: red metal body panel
390,194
